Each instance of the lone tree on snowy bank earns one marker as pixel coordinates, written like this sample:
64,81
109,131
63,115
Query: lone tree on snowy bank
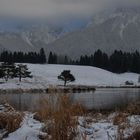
66,76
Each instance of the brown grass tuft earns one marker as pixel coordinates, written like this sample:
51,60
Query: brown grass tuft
10,121
133,109
119,118
60,116
134,136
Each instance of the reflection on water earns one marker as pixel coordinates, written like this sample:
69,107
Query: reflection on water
102,98
108,98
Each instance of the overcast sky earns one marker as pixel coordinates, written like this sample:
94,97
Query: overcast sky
56,8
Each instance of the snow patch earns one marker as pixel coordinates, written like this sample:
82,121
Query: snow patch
29,130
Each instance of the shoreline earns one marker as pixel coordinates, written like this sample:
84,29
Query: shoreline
53,89
62,89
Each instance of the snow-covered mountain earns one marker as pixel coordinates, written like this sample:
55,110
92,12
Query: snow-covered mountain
28,38
109,30
40,35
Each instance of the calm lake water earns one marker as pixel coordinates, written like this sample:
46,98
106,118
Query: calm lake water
102,98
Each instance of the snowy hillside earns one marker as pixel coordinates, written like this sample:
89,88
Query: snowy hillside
44,75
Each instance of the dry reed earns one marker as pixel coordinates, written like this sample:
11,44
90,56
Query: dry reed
59,114
10,121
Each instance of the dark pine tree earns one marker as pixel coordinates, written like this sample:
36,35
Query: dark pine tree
97,60
42,56
116,62
135,67
66,61
50,58
105,61
54,58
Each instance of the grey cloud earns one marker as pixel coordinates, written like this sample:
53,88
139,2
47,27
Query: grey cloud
52,8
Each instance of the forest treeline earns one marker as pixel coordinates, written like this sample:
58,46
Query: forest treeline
21,57
117,62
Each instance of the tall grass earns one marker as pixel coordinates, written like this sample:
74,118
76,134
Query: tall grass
10,119
133,109
120,119
134,136
60,116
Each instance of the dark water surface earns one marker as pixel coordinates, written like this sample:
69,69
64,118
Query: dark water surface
102,98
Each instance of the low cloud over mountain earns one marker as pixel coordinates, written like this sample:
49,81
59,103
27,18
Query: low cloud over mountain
57,8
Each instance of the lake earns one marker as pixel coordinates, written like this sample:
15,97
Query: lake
102,98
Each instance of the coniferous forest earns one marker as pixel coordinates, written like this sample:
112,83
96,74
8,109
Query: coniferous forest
117,62
20,57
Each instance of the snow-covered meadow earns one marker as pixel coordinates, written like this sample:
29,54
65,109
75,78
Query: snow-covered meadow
88,128
45,75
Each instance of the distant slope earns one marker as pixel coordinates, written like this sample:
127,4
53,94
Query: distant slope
45,75
118,29
85,75
14,42
30,38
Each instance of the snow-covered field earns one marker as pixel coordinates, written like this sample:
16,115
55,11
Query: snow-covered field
45,75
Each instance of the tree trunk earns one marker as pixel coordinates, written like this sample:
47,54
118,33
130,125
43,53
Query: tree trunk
19,75
65,83
19,78
6,78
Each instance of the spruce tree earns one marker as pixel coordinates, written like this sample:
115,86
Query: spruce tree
42,56
97,60
50,58
66,60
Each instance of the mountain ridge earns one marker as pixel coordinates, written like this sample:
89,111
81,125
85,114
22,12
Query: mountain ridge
120,30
